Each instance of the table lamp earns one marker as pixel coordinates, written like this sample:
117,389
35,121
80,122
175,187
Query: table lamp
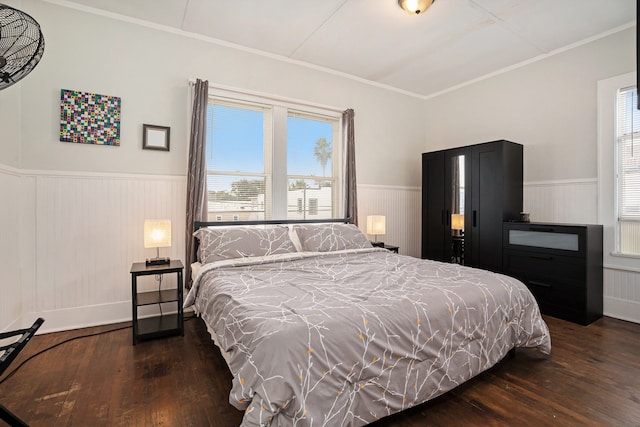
376,226
157,234
457,222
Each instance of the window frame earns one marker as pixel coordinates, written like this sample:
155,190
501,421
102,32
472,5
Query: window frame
627,172
267,144
276,172
607,171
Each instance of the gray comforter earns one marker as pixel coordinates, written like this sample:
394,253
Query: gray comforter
345,338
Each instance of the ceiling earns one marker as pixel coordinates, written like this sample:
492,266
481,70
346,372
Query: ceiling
452,43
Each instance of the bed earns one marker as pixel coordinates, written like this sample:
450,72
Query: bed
319,328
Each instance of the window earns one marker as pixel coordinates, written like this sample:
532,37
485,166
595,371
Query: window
309,165
628,170
269,158
610,136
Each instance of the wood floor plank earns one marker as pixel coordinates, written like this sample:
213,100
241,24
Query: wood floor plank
591,378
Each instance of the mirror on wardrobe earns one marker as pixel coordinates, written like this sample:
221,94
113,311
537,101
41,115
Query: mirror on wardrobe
457,209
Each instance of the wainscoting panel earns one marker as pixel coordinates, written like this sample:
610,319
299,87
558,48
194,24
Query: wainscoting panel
88,231
574,202
622,294
10,289
402,208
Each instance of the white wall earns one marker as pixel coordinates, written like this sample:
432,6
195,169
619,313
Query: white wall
10,212
10,126
10,283
83,205
550,107
149,68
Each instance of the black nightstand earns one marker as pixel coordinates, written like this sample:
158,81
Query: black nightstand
163,325
391,248
385,246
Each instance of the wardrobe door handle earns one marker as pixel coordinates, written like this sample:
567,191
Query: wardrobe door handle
542,257
475,218
448,218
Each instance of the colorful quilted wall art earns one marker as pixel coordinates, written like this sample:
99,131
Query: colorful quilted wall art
89,118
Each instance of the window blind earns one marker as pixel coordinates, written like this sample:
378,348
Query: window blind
628,142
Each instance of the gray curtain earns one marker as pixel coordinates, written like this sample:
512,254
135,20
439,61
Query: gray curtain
350,190
197,172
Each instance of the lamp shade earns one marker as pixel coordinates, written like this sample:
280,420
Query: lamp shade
376,224
157,233
457,222
415,7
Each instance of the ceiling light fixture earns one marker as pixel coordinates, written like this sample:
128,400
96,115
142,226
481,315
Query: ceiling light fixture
415,7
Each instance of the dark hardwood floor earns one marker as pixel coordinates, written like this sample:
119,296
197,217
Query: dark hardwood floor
591,378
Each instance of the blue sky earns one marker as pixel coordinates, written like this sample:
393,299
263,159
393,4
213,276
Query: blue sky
238,136
302,135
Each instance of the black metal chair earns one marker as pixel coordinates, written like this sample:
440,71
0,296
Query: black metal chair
7,354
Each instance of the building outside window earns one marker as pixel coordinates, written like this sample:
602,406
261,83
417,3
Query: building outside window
313,206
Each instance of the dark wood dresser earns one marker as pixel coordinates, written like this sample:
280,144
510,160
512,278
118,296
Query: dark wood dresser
560,263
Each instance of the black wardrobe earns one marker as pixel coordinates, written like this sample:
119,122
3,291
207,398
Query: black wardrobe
467,193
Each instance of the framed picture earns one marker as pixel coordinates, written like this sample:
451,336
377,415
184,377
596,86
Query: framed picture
155,137
89,118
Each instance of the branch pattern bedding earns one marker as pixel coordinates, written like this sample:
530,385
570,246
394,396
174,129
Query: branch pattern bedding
351,334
